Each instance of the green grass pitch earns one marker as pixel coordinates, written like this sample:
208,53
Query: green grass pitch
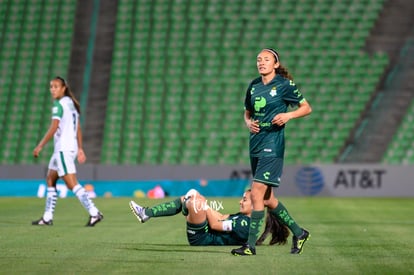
348,236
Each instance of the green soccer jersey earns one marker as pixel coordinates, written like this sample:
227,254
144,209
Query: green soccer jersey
240,230
264,102
204,235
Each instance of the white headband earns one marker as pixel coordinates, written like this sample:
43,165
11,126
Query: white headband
272,52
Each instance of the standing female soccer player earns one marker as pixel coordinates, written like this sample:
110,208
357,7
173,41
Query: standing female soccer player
266,114
66,131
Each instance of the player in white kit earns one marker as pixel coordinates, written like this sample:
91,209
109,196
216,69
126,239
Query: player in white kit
67,135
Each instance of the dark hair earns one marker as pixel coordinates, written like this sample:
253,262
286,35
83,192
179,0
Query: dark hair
273,226
69,93
280,70
284,72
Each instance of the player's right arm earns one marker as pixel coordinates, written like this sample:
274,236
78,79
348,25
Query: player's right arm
253,125
216,220
49,134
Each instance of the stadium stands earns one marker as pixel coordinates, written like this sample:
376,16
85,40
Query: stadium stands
401,149
180,72
36,40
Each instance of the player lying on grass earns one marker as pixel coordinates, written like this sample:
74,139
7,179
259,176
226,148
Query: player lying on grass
206,226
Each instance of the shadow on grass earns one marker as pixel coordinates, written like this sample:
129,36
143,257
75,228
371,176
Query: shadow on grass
176,248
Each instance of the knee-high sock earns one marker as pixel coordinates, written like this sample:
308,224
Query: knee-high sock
256,221
165,209
84,199
281,213
51,199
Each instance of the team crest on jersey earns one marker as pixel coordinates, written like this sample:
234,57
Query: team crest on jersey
252,91
273,92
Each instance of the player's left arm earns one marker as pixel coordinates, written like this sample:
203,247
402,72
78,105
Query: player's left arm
303,109
81,153
295,97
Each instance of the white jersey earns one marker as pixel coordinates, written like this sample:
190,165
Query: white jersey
65,138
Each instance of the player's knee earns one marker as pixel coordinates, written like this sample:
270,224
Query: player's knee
189,197
191,193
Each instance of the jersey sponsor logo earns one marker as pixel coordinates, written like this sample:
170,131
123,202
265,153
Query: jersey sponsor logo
273,92
267,150
259,102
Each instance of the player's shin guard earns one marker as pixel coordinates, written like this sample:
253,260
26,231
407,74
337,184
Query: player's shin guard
256,222
51,199
85,200
165,209
281,213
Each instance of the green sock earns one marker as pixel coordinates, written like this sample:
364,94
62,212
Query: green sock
281,213
256,221
164,209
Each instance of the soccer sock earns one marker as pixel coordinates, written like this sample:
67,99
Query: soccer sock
51,199
84,199
256,221
184,209
164,209
281,213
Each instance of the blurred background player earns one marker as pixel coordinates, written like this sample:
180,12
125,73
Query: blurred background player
66,132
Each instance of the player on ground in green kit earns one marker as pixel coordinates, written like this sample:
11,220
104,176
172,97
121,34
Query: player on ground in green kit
206,226
267,100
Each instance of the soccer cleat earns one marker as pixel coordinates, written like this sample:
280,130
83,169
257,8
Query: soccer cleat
95,219
138,211
41,221
297,243
245,250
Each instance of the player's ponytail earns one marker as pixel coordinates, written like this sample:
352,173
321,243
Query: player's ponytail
279,231
280,70
69,93
284,72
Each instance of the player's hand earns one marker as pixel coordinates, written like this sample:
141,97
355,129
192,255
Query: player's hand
281,119
81,156
36,151
253,126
